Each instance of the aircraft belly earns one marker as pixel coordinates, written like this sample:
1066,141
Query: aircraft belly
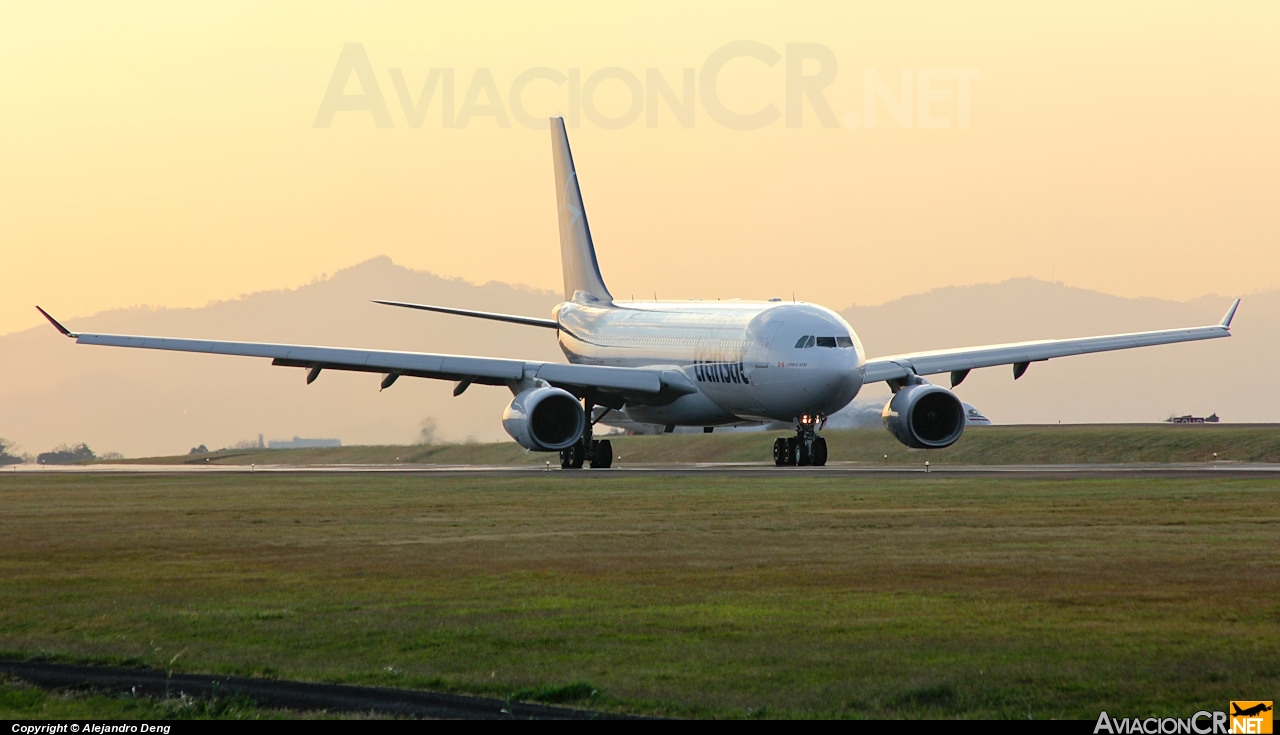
695,409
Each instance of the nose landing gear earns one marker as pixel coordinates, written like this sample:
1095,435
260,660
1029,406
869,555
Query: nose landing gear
804,449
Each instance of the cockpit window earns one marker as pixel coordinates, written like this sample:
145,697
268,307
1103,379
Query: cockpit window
811,341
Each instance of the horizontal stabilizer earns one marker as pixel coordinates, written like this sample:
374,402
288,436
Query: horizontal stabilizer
528,321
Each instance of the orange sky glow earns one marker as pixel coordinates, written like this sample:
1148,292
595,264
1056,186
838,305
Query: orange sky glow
172,154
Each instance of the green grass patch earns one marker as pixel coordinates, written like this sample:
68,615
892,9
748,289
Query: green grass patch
21,701
701,596
577,691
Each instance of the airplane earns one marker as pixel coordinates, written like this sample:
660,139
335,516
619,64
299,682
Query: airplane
680,363
1253,711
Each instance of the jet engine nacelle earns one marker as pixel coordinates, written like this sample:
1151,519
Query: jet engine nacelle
544,419
924,416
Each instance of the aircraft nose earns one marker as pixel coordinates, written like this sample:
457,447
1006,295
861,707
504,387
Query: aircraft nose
837,380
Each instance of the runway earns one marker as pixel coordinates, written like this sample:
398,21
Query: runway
743,469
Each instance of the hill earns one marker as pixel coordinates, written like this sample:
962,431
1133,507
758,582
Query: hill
153,403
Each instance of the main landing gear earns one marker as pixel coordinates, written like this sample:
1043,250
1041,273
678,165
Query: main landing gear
598,453
804,449
599,456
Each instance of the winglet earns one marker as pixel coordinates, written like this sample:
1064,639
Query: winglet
65,332
1231,313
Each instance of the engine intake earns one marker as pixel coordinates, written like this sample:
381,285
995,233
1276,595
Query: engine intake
544,419
924,416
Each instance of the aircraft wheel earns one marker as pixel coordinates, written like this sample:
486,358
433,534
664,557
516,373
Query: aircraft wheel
779,452
819,458
603,454
801,455
791,451
573,457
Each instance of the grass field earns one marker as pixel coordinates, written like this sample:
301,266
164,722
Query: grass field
1072,444
785,597
19,700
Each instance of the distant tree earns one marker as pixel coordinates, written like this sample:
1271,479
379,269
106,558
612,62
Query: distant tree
112,456
65,454
427,431
202,449
5,457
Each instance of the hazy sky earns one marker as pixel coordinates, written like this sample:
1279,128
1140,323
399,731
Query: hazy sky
174,153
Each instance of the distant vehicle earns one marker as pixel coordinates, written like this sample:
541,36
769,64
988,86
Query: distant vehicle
1189,419
974,417
684,363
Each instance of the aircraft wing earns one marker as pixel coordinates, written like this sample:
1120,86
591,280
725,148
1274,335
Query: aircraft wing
577,379
960,361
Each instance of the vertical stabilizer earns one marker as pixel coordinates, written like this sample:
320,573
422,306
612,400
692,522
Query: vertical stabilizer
582,277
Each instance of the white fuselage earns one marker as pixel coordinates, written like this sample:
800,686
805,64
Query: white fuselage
751,361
